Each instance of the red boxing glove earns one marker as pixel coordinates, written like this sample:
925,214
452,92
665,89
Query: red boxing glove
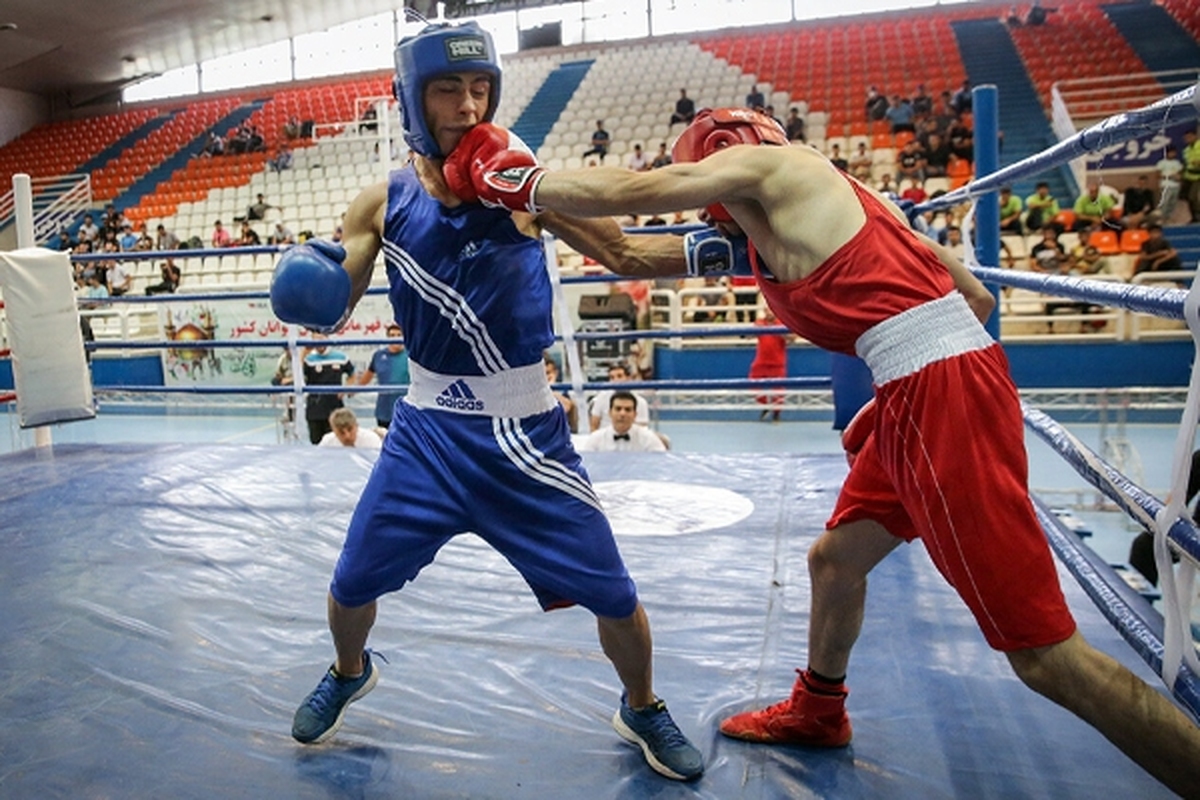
855,434
493,166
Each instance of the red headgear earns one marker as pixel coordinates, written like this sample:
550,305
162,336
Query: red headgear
715,128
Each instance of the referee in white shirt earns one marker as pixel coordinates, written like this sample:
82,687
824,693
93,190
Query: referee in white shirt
621,435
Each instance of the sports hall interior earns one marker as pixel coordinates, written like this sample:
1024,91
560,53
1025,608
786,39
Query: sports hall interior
146,629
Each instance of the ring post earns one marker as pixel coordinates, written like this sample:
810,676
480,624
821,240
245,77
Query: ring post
987,211
23,209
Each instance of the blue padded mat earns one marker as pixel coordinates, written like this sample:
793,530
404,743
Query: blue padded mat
165,613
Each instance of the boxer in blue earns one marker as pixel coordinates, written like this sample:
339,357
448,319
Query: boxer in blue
479,443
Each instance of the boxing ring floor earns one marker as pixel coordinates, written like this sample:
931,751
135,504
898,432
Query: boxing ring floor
164,615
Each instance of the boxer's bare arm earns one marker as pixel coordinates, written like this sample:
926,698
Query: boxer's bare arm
725,177
362,236
979,298
635,256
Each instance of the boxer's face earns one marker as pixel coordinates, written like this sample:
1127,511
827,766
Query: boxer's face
455,103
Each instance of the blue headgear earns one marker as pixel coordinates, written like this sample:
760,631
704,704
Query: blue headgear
437,50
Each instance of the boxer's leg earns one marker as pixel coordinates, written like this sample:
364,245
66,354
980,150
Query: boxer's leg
1146,726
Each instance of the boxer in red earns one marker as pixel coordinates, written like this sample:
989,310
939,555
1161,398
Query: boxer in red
840,266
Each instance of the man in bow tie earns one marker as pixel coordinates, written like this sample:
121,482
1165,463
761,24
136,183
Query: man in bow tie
621,435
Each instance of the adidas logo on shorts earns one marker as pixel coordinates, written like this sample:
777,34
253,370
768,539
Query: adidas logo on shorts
459,397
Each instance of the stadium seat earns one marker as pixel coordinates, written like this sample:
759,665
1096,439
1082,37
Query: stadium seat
1132,238
1105,241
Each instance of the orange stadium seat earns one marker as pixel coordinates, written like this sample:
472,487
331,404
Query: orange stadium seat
1132,238
1105,241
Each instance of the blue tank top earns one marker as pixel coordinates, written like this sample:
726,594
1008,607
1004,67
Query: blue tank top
470,290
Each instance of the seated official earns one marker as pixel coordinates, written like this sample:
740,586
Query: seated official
622,435
347,433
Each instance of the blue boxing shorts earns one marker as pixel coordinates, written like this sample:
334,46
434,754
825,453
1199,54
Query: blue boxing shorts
515,482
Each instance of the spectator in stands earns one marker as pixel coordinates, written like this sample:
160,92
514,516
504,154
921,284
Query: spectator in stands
1049,255
93,288
1189,186
600,142
281,235
922,104
118,278
215,146
885,184
1037,13
860,162
914,191
795,125
127,238
347,433
755,99
248,237
291,128
769,110
910,163
255,142
1041,207
368,118
663,158
877,105
1087,260
937,156
64,243
961,101
621,435
636,160
1137,202
88,230
1094,207
954,241
836,157
171,276
1010,211
164,239
685,109
282,160
144,242
1170,168
944,116
1157,254
258,209
240,141
899,115
220,236
961,138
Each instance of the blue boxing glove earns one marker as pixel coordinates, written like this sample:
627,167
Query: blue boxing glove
710,253
310,287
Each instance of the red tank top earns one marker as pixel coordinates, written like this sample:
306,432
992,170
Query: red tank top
883,270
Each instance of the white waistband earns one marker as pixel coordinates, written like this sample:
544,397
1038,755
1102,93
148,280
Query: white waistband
933,331
520,392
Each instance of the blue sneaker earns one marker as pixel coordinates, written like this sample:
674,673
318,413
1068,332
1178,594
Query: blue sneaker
665,747
320,715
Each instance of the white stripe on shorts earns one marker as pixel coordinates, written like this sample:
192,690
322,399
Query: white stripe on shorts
534,463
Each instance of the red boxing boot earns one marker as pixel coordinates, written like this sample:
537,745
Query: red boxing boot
814,716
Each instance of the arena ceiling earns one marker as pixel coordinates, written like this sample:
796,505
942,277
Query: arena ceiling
82,52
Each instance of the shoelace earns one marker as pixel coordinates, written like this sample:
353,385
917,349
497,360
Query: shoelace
663,728
329,686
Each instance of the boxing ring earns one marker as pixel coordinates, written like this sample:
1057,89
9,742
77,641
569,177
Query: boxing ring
166,614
